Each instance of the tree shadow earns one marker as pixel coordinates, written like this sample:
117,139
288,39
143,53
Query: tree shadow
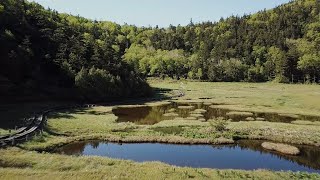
67,113
51,131
92,112
162,93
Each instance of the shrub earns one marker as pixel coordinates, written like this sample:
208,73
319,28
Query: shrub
219,124
98,84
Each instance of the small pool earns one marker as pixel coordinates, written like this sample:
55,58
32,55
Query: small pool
148,115
246,155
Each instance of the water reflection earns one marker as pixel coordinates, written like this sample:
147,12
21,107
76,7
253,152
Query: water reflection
148,115
246,155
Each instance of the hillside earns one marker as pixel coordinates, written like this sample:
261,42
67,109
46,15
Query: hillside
46,54
280,45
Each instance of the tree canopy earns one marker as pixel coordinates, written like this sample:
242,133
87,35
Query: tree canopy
280,45
44,52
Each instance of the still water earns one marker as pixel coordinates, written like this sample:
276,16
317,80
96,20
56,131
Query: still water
148,115
247,155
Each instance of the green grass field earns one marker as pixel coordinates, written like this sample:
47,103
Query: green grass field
266,97
99,123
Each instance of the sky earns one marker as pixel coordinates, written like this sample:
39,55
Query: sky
158,12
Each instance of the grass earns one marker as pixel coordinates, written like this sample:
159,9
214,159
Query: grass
265,97
13,115
282,148
6,132
244,114
279,132
98,123
219,124
20,164
316,123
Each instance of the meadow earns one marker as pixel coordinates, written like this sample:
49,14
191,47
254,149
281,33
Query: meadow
30,159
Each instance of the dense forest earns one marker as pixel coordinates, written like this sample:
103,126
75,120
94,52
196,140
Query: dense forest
46,53
282,45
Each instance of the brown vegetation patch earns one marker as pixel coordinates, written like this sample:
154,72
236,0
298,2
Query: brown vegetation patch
250,119
289,115
223,140
199,111
171,115
239,113
191,118
196,115
185,107
282,148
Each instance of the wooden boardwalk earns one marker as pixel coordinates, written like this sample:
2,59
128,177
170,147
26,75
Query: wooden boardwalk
35,127
24,133
39,121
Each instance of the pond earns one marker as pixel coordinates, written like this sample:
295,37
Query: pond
148,115
247,155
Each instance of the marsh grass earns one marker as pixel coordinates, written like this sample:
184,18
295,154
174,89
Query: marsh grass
200,111
186,107
171,115
169,130
260,119
289,115
196,115
98,123
257,97
20,164
191,118
250,119
84,125
239,114
219,124
302,122
6,131
282,148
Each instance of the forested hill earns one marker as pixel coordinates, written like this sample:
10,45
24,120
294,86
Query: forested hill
45,54
282,44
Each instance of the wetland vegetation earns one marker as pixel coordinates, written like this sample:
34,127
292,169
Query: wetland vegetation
169,103
81,126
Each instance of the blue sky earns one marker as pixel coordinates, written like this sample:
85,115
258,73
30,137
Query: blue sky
158,12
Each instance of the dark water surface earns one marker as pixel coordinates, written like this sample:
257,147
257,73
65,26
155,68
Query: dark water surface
247,155
149,115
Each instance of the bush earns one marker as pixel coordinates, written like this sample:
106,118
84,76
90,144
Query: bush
97,84
219,124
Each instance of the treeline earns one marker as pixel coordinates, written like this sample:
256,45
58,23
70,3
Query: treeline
282,44
44,53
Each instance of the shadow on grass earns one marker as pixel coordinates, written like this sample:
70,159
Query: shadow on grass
67,114
92,112
163,93
52,131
